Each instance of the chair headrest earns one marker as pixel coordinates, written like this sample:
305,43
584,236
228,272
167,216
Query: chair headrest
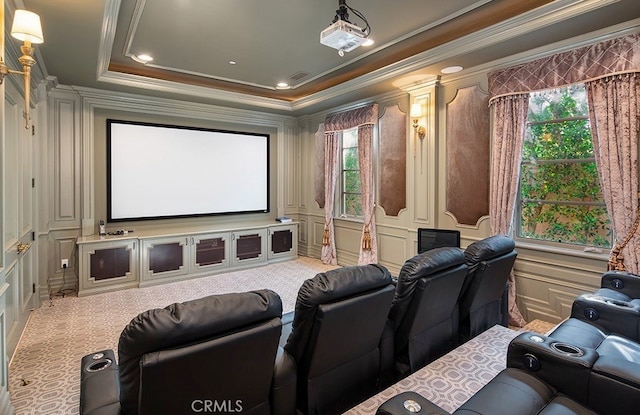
182,323
186,323
430,262
488,248
329,287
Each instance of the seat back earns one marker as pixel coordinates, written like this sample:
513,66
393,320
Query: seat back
212,354
490,262
335,340
620,285
424,309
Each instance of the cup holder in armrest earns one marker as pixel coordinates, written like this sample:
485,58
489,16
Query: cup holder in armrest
617,303
98,365
567,349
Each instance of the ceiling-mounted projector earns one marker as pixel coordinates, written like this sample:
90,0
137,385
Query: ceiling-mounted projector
343,36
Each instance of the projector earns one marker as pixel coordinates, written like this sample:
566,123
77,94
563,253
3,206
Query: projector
343,36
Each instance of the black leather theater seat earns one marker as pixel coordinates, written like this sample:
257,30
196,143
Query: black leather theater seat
337,329
214,352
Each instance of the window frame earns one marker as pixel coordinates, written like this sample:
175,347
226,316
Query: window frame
341,191
549,245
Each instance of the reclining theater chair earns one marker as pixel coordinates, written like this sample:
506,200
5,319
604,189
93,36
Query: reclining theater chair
217,352
483,302
339,320
614,308
424,310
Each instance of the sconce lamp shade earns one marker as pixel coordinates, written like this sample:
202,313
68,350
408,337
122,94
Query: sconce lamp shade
26,27
416,110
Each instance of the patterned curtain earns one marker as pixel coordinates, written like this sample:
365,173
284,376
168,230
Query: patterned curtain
369,245
334,124
331,140
509,120
613,56
508,88
614,111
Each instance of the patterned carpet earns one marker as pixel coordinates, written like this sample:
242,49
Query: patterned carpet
44,373
455,377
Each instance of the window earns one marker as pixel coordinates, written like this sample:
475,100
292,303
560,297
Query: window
560,197
350,189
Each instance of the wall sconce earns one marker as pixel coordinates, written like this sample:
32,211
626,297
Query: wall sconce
418,130
416,112
26,27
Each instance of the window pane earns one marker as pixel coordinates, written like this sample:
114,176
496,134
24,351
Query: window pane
352,181
560,197
350,174
350,138
560,182
352,204
558,140
350,159
573,224
557,104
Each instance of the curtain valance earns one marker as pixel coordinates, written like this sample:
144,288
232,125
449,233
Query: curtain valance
352,118
619,55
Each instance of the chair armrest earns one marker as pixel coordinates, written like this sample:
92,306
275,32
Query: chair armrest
396,405
387,355
611,316
564,366
287,326
99,384
622,281
620,370
284,384
614,387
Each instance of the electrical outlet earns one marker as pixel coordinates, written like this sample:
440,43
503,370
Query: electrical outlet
64,263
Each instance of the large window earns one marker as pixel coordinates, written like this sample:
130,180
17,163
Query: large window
350,188
560,197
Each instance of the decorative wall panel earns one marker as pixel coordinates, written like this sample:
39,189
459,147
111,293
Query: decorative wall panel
392,132
468,146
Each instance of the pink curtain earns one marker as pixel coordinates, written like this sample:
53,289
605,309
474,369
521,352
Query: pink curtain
509,121
509,88
331,140
604,58
614,112
369,245
334,124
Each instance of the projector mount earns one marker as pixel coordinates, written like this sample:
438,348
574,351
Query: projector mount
342,34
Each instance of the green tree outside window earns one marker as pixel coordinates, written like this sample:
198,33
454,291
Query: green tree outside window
560,197
351,195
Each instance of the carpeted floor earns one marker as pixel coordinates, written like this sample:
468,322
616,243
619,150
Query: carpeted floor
44,373
452,379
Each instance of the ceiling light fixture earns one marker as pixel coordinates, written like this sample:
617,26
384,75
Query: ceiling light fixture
282,85
142,58
342,34
26,27
451,69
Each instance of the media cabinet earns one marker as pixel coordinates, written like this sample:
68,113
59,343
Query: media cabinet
110,263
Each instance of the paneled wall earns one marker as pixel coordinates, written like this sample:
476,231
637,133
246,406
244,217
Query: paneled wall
548,279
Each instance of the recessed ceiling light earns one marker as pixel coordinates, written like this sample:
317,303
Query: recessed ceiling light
368,42
282,85
232,62
142,58
452,69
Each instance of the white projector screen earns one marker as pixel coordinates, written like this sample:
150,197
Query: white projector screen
162,171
